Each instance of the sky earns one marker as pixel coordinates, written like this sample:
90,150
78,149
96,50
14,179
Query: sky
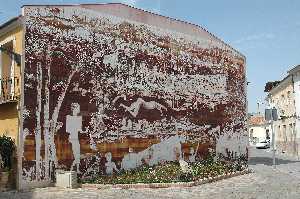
267,32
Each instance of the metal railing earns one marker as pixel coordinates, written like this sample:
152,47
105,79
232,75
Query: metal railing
9,89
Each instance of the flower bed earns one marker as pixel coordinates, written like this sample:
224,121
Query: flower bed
170,173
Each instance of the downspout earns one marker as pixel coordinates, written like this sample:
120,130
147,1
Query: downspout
294,129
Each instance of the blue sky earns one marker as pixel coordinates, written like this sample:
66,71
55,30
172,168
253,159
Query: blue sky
267,32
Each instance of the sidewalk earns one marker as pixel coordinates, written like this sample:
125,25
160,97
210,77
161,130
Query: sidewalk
266,182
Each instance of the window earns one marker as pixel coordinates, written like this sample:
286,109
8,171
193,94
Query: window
282,100
284,133
289,97
290,130
267,134
278,132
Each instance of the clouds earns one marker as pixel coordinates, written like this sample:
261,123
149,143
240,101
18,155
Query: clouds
255,38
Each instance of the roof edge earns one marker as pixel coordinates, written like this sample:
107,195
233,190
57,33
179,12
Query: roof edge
283,82
10,21
294,70
10,25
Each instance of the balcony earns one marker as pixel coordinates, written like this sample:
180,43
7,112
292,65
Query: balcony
9,90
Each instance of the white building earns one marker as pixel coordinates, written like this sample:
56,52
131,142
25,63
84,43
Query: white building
285,97
259,130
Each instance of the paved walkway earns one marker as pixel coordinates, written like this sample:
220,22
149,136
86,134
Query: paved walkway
266,182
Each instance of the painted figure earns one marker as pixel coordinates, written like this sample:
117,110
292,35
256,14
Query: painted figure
193,153
135,107
109,165
167,150
93,144
73,127
131,160
148,156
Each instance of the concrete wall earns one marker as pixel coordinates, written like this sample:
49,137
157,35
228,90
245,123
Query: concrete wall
9,120
296,80
283,97
286,136
104,93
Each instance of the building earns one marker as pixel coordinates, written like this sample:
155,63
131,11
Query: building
109,87
11,34
284,96
259,130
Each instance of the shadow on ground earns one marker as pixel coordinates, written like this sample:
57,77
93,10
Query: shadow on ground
268,161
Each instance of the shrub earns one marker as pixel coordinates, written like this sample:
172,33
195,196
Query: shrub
7,147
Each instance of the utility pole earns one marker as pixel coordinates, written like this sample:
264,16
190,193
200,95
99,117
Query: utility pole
271,116
273,144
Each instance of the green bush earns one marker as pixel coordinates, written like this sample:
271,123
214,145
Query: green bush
7,147
169,172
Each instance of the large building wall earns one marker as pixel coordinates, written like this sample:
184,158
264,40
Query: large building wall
102,90
9,120
283,97
17,35
9,124
286,134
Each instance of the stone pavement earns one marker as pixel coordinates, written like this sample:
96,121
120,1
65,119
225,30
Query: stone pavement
266,182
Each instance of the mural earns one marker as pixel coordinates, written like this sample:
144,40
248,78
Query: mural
104,94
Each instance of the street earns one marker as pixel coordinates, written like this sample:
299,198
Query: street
265,182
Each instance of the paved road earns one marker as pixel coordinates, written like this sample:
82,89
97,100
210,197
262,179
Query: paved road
266,182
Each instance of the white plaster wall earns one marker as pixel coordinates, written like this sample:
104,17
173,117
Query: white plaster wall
296,78
259,132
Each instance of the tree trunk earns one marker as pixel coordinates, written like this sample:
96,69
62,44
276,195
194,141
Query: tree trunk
53,125
46,122
38,122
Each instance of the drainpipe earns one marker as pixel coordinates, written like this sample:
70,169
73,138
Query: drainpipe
296,116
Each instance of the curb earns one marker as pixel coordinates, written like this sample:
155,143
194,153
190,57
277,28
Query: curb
167,185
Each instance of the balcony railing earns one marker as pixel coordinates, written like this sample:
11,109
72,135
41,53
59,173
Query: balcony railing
9,89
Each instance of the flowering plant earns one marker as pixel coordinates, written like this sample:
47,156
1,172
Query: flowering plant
169,172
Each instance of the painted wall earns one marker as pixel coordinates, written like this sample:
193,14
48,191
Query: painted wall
104,93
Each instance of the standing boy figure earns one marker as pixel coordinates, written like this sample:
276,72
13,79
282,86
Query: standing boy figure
73,127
